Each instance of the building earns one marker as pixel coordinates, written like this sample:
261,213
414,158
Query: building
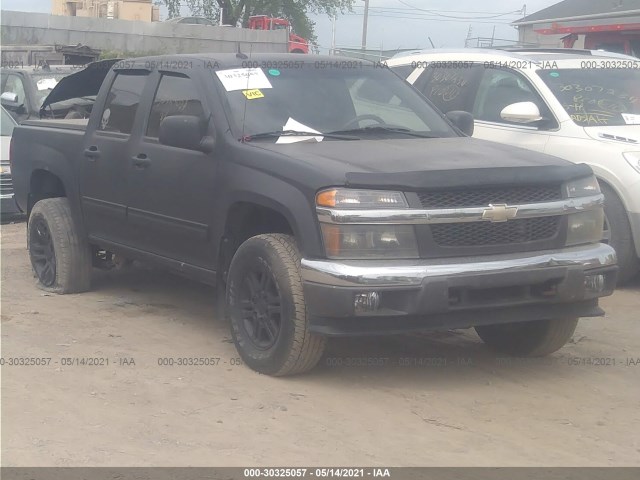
143,10
612,25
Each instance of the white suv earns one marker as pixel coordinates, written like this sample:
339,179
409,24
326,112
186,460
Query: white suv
583,106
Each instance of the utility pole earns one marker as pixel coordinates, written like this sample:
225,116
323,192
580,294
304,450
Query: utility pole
333,36
364,25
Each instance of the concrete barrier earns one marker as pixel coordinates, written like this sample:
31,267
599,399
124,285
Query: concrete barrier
125,36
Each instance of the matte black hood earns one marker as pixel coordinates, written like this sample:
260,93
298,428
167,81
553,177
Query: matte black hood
429,163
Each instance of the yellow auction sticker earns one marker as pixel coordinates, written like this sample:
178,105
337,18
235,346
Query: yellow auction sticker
251,94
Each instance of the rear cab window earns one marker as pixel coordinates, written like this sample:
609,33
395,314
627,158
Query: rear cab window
450,87
122,103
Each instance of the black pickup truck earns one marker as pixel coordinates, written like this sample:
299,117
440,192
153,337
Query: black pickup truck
323,196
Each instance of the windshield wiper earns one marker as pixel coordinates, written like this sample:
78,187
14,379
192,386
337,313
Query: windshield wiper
296,133
383,128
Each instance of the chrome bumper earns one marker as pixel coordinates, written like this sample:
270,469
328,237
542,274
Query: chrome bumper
393,273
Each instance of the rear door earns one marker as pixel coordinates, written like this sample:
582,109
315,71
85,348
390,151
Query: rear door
106,157
172,191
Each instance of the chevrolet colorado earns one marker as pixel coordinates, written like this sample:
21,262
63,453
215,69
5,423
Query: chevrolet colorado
323,196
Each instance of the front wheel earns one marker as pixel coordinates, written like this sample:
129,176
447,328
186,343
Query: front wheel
266,306
537,338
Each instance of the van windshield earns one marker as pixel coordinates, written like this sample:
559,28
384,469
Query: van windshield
316,97
597,97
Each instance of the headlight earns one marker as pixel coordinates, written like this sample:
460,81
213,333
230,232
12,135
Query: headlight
583,187
348,198
585,227
369,241
634,160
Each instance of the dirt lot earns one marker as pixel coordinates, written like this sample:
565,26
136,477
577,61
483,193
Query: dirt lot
460,405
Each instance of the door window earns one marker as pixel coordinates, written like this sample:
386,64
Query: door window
176,95
122,104
500,88
14,84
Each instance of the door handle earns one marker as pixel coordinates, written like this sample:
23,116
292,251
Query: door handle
92,153
141,161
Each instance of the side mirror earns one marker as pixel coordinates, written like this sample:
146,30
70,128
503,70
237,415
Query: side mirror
462,120
9,99
523,112
185,131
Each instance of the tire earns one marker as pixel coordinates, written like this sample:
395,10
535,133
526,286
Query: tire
618,235
266,307
60,257
528,339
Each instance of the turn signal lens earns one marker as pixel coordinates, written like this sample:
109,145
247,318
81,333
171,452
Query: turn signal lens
348,198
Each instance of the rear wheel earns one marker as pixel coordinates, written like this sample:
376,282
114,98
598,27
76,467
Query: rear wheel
537,338
266,306
617,233
60,257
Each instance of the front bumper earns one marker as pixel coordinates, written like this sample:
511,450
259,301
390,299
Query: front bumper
456,292
8,206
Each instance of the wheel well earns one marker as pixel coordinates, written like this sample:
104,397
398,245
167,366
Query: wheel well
296,50
44,184
246,220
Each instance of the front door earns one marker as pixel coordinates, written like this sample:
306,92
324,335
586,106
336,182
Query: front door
171,191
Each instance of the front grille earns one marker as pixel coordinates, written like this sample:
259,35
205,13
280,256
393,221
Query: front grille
482,197
475,234
6,186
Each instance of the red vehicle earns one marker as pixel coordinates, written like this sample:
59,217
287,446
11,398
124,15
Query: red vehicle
297,44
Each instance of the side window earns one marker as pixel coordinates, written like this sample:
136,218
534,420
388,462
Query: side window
451,88
176,95
500,88
14,84
403,71
122,104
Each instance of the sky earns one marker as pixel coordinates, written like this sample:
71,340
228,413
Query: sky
395,24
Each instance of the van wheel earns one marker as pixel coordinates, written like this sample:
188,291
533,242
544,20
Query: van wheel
528,339
60,258
617,233
266,306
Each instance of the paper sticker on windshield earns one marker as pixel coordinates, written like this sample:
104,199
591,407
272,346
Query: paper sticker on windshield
299,127
631,118
251,94
46,83
243,79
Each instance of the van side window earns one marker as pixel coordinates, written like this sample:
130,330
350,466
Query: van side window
450,88
122,104
176,95
500,88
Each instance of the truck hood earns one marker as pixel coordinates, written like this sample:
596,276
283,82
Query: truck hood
624,135
84,83
429,163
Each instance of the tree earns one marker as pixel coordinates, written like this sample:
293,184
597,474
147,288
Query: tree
237,12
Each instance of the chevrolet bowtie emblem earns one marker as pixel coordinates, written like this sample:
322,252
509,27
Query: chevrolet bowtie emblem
500,212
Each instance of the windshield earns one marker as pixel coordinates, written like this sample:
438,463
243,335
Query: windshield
607,97
316,99
7,123
44,83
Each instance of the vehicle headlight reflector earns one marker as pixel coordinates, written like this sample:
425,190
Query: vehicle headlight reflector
350,198
585,227
583,187
369,241
633,158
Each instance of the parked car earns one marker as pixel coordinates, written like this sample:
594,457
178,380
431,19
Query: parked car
582,106
191,20
321,201
8,206
24,89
